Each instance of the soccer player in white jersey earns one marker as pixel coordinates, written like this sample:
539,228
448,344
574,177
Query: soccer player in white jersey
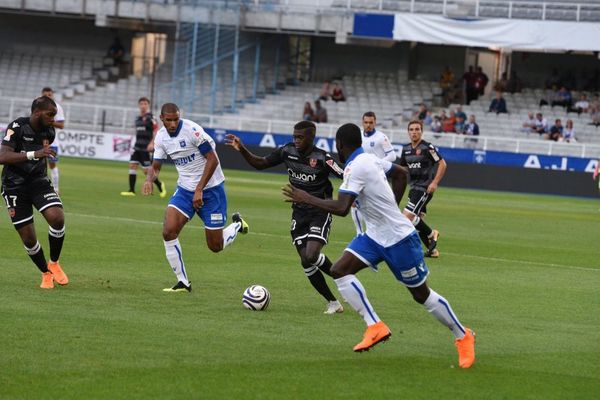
59,123
389,237
200,189
377,143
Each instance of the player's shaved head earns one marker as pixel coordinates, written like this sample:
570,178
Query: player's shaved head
169,108
43,103
349,135
306,127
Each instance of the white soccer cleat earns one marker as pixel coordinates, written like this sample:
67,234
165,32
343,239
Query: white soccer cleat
334,307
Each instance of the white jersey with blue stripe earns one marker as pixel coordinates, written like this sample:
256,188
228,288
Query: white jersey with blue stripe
365,178
187,147
377,143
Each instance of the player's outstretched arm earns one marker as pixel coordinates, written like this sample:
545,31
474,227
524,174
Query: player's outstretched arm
340,206
251,158
9,156
398,179
438,177
152,174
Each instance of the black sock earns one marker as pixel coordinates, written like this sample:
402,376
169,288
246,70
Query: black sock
132,178
56,238
36,253
324,264
317,280
157,183
424,231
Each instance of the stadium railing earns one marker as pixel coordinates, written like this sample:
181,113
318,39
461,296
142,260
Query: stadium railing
103,118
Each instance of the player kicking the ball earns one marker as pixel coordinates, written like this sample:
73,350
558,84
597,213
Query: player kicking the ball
389,237
200,189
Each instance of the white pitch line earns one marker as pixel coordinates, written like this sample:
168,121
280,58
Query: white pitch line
506,260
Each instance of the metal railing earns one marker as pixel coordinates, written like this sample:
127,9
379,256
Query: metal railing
106,118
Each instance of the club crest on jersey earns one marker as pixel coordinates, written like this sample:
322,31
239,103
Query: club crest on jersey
418,152
182,143
313,162
197,134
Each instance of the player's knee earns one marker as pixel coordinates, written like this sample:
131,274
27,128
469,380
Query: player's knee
337,271
420,294
215,246
310,258
169,235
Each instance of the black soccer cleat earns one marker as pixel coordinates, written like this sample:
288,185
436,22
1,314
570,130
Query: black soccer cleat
179,287
244,228
435,234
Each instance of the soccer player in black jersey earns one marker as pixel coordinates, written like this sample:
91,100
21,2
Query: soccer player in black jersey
426,167
25,185
145,130
308,168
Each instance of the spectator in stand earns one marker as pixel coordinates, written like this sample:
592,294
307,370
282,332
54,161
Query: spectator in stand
541,125
436,124
595,115
481,81
428,119
325,91
550,96
514,84
470,79
448,122
498,105
446,83
553,80
116,51
337,93
320,112
556,131
563,98
308,114
529,124
459,125
583,105
460,113
569,132
502,83
471,129
421,113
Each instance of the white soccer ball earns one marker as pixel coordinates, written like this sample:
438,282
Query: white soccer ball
256,298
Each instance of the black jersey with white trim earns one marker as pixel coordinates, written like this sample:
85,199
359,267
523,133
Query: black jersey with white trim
144,131
21,137
422,162
308,172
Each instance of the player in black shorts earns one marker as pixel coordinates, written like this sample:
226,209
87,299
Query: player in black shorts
308,169
25,185
426,167
145,128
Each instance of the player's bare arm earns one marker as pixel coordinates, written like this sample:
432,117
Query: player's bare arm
438,177
398,179
152,174
211,164
340,206
251,158
9,156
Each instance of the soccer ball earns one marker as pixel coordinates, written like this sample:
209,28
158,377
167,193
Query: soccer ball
256,298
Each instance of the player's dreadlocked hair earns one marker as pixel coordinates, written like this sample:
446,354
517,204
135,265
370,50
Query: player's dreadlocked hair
349,135
306,127
168,108
42,103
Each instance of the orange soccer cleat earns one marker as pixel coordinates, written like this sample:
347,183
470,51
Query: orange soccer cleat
47,280
374,334
466,349
59,276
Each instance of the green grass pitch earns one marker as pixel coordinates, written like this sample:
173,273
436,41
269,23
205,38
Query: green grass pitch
523,271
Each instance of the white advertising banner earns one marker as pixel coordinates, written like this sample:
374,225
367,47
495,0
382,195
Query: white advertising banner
498,33
98,145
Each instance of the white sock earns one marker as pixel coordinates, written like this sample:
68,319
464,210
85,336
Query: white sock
354,293
357,218
230,233
442,311
54,177
175,258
